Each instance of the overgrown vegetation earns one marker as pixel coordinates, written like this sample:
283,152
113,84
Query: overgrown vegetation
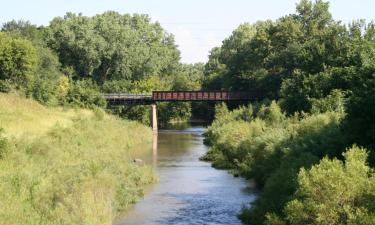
302,151
77,58
262,143
311,152
67,167
69,163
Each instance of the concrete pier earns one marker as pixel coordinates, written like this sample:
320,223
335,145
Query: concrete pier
154,119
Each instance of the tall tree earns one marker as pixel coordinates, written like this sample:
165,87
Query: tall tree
113,46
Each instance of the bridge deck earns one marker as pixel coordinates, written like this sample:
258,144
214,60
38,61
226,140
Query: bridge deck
126,98
199,96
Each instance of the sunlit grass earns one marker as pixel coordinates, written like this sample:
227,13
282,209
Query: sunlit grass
67,166
20,116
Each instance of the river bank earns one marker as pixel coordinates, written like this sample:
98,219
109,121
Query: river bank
67,166
262,143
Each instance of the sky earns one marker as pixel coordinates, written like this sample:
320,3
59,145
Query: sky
198,25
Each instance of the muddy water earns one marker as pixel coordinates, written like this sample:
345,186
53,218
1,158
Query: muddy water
189,191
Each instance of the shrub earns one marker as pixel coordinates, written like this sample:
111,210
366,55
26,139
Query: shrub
18,61
85,93
334,192
334,102
270,148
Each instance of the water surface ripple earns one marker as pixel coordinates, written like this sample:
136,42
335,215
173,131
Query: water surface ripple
189,191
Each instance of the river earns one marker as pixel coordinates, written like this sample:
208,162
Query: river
189,191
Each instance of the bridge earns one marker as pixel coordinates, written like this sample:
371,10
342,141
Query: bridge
116,99
160,96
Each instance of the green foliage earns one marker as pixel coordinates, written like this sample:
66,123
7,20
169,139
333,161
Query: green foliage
45,88
334,192
43,85
262,143
120,53
111,46
6,86
170,112
334,102
360,121
76,174
271,114
300,57
188,78
26,30
18,61
85,93
323,73
145,86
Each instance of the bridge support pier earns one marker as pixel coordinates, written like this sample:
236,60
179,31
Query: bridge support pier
154,119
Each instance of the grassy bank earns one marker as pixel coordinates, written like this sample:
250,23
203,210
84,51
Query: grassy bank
66,166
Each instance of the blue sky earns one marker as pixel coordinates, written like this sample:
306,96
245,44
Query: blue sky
198,25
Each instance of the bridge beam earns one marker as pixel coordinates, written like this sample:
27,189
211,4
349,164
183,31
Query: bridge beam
154,118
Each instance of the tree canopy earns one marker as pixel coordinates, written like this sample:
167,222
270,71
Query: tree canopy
298,58
111,46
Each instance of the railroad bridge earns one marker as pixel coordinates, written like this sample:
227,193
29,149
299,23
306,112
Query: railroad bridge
116,99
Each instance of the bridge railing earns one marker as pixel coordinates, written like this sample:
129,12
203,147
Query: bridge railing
126,96
203,95
182,96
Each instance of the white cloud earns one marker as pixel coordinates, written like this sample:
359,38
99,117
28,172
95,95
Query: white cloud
194,48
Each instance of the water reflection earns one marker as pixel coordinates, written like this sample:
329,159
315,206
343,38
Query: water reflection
189,191
154,149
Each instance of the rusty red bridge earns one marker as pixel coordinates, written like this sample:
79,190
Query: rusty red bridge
117,99
160,96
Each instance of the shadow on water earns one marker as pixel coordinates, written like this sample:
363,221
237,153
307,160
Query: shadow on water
189,191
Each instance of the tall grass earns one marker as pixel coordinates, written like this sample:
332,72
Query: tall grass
77,171
20,116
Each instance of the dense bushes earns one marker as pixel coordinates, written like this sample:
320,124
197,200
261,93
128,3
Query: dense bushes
333,192
322,72
34,70
76,174
360,121
18,62
260,142
85,93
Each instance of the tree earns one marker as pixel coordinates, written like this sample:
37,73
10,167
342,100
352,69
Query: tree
18,61
47,73
279,58
26,30
111,46
360,121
